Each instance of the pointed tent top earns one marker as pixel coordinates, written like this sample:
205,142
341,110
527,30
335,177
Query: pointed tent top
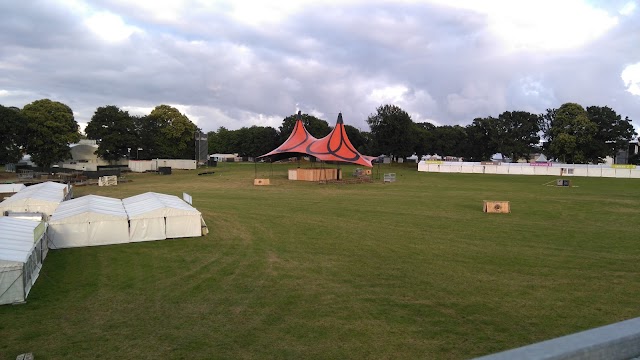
334,147
299,116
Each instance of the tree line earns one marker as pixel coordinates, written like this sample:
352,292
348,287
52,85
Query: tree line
45,129
572,134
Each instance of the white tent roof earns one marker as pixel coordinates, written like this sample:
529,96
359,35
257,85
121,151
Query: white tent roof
88,209
541,158
11,188
16,239
150,205
48,192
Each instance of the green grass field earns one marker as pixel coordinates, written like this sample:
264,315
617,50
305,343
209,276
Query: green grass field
412,269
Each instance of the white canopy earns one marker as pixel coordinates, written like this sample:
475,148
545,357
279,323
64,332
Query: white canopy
88,221
22,250
154,216
11,188
43,198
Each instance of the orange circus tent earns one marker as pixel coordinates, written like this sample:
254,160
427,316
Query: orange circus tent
335,147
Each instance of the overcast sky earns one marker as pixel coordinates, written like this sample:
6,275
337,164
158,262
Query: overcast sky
240,63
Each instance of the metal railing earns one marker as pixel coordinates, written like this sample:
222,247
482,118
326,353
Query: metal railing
619,341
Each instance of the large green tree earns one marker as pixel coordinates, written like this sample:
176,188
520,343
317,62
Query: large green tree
613,132
517,134
450,141
255,140
570,134
52,128
166,133
393,131
114,129
316,127
482,135
13,134
222,141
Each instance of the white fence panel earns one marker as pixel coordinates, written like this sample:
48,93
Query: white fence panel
594,171
609,172
466,169
634,174
623,173
478,169
502,169
527,170
434,167
580,172
490,169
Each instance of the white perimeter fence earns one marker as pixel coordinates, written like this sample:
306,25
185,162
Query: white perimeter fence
553,169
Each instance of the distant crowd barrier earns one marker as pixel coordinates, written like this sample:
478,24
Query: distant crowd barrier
553,169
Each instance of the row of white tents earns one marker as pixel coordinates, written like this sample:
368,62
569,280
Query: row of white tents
86,221
97,220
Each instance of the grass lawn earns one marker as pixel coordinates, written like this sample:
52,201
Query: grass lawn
412,269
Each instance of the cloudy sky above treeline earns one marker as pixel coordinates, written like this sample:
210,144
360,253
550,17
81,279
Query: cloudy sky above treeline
241,63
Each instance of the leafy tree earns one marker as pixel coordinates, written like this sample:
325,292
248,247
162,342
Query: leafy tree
147,131
114,129
168,133
450,140
570,133
425,139
393,131
223,141
255,140
517,134
51,128
613,132
13,134
316,127
481,136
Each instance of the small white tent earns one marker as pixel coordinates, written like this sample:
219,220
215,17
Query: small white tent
154,216
43,198
23,247
7,190
88,221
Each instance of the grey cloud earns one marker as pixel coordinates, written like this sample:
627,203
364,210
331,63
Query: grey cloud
322,59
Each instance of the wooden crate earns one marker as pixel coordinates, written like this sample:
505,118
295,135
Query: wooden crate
261,182
499,207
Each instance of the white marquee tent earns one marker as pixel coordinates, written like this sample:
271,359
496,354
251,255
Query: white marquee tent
154,216
11,188
88,221
43,198
23,247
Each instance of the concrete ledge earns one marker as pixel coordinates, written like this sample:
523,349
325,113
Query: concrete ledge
619,341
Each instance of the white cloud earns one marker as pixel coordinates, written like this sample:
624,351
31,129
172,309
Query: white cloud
631,77
628,8
109,27
547,25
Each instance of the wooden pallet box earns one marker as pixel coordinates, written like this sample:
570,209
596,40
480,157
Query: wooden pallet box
498,207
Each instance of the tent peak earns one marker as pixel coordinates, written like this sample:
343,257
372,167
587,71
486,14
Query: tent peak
340,119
